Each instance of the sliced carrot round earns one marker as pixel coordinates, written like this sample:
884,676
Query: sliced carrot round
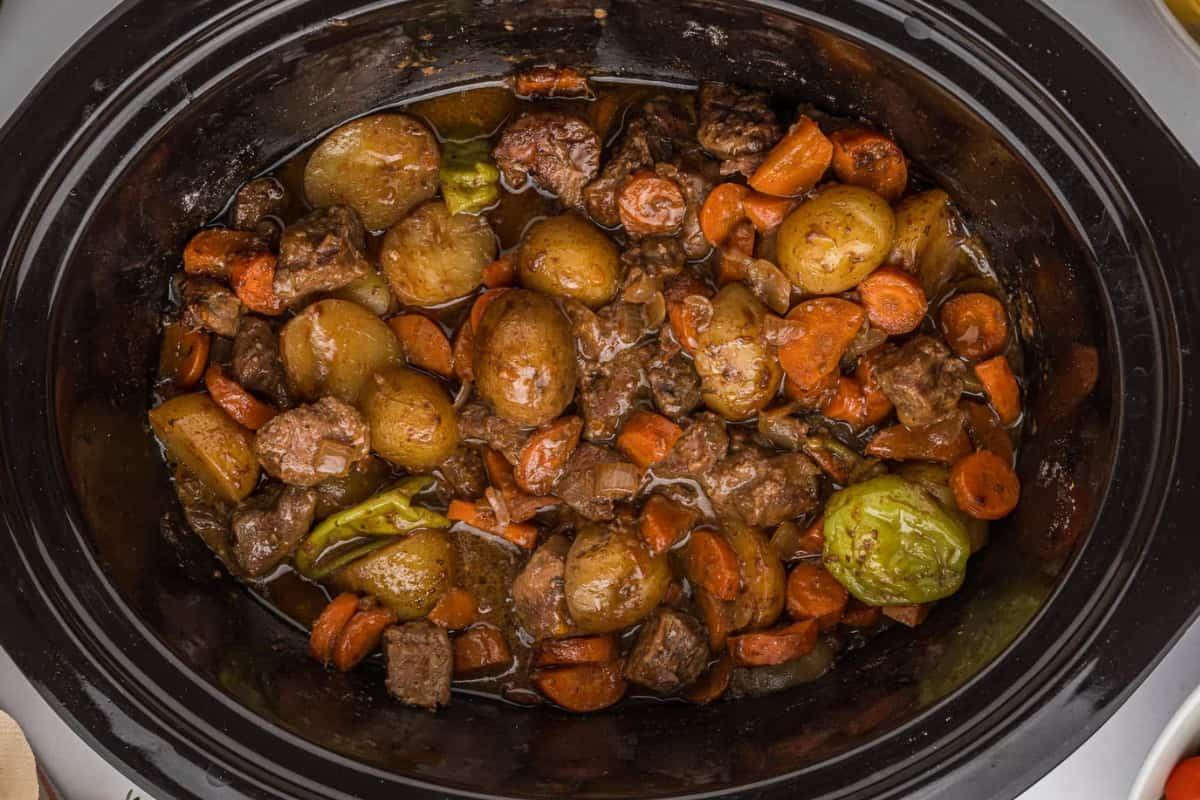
246,409
894,300
713,565
361,636
455,609
1001,387
712,684
984,485
722,209
651,205
813,593
578,650
877,403
583,687
329,624
869,159
183,355
975,324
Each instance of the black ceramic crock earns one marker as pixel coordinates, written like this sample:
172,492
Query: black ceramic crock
186,682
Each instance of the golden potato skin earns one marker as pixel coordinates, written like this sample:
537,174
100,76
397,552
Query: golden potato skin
332,347
924,243
524,358
739,371
612,580
834,240
764,584
408,577
206,440
567,256
432,256
371,292
382,166
412,420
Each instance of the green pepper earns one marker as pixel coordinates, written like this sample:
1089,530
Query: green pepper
469,178
890,543
386,514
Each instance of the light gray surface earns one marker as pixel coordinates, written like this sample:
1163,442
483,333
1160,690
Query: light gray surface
33,33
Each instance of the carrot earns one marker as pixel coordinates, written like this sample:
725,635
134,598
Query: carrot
815,398
650,205
767,648
683,323
912,616
211,251
796,163
877,403
500,473
424,344
736,253
361,636
246,409
583,687
480,649
579,650
986,432
894,300
482,302
550,81
329,625
712,565
522,534
871,160
252,277
501,272
825,328
646,438
813,538
1001,386
183,355
457,608
463,345
674,596
936,442
664,522
860,615
545,453
715,615
975,324
766,212
848,404
984,485
812,593
712,684
722,210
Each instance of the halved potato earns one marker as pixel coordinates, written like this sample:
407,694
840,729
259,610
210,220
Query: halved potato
206,440
408,577
332,347
739,371
612,579
764,585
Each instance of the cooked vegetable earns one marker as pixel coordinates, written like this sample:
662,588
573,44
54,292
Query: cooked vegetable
985,486
583,687
796,163
910,615
860,615
792,542
407,576
360,637
716,617
212,251
765,212
501,272
567,256
815,338
768,648
246,409
739,371
736,253
456,609
924,243
196,433
650,205
524,358
371,292
1001,386
183,355
812,593
341,492
480,515
480,649
483,301
423,342
332,347
433,256
935,479
986,430
550,81
889,543
612,580
712,684
382,166
894,300
712,565
763,583
329,625
646,438
546,453
871,160
684,314
470,180
722,210
848,403
834,240
387,513
664,523
759,681
878,406
944,442
579,650
413,422
975,324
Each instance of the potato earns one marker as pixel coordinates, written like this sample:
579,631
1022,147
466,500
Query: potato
764,584
612,580
336,494
412,420
567,256
332,347
836,239
382,166
925,243
200,436
739,371
935,479
408,577
371,292
432,256
524,358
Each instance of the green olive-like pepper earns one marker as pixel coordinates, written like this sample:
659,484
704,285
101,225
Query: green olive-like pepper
890,543
470,181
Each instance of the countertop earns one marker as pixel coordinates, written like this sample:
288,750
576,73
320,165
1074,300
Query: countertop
34,33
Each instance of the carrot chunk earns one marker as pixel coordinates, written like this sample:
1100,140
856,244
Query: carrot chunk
211,251
329,624
680,313
722,210
360,637
183,355
975,324
646,438
482,302
546,453
714,614
796,163
984,485
480,649
894,300
583,687
767,648
877,403
712,565
456,609
579,650
522,534
246,409
860,615
938,442
766,212
463,344
824,328
848,404
709,687
1001,386
812,593
551,81
501,272
912,616
664,522
986,431
650,205
424,343
869,159
252,277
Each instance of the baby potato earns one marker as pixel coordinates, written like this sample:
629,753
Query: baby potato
382,166
371,292
764,585
925,243
836,239
524,358
408,577
206,440
612,580
567,256
739,371
412,420
432,256
332,347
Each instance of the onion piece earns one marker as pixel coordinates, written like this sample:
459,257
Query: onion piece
616,479
769,285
